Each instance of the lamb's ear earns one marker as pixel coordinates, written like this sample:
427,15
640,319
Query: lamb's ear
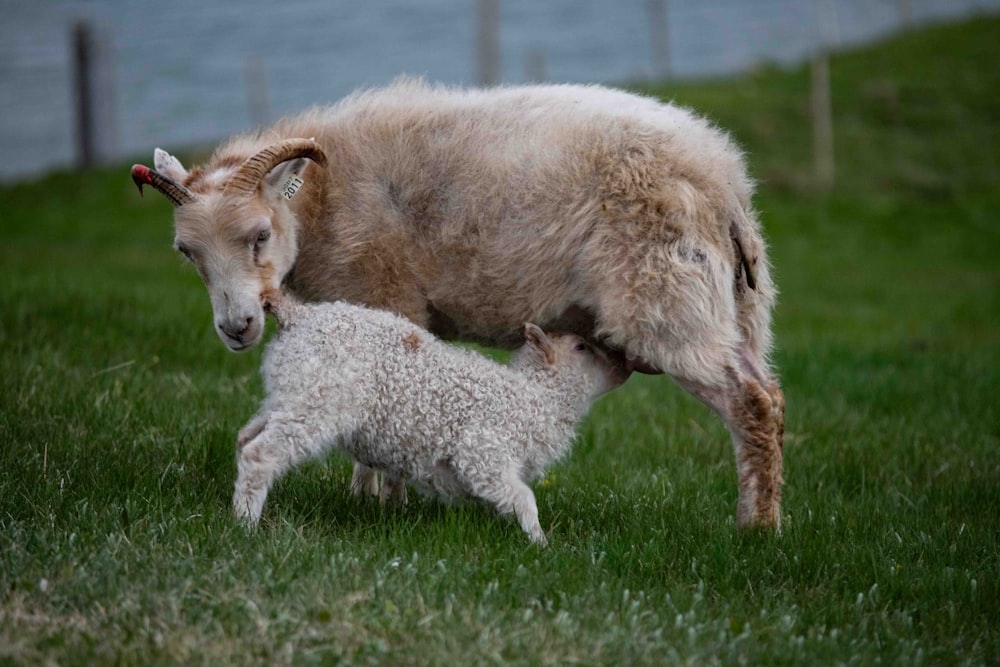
539,344
169,166
285,179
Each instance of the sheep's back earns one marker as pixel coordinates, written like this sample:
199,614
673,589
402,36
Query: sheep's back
480,210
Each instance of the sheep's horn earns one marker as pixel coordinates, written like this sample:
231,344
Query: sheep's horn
177,194
244,181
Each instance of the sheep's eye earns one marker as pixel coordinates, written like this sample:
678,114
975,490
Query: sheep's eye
261,238
184,251
580,347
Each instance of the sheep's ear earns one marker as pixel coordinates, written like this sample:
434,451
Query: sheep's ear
285,179
169,166
539,344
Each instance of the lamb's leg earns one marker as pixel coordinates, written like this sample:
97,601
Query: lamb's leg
510,495
753,408
251,431
526,511
279,444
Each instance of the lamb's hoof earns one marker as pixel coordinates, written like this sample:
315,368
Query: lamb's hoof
538,537
245,512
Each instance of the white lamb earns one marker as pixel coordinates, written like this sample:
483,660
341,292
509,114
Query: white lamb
396,399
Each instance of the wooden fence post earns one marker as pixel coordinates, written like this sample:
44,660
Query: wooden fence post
905,9
258,95
93,81
821,102
488,45
659,37
83,57
822,117
535,70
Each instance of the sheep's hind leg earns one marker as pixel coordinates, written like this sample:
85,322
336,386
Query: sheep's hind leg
753,408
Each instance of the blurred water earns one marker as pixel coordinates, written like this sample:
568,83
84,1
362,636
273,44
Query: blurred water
178,70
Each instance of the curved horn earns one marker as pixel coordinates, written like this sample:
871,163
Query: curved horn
244,181
177,194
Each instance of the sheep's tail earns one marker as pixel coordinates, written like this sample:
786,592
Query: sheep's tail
280,304
744,252
752,285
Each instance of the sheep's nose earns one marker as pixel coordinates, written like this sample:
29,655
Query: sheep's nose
237,331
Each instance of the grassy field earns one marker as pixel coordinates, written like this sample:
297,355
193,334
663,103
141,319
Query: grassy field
119,408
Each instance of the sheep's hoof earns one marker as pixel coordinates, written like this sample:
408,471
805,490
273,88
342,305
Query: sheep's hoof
364,481
392,490
769,524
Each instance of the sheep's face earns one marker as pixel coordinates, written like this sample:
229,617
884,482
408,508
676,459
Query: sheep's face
241,248
234,224
570,358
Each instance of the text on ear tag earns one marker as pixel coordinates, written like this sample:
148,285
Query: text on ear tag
291,187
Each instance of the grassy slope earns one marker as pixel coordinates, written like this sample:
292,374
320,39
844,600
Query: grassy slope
119,406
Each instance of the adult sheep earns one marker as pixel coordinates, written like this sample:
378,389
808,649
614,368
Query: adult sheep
471,212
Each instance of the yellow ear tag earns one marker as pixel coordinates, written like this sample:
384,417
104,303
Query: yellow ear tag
291,187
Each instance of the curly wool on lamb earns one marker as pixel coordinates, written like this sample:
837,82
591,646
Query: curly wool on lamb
396,399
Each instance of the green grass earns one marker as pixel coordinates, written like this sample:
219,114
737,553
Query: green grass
119,408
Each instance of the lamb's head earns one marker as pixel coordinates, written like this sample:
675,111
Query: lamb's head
235,225
570,360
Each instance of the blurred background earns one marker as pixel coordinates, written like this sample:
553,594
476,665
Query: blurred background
96,81
871,127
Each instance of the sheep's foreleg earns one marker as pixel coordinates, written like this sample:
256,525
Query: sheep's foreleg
393,489
279,444
364,481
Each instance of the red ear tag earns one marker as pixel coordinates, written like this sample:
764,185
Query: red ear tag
141,176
